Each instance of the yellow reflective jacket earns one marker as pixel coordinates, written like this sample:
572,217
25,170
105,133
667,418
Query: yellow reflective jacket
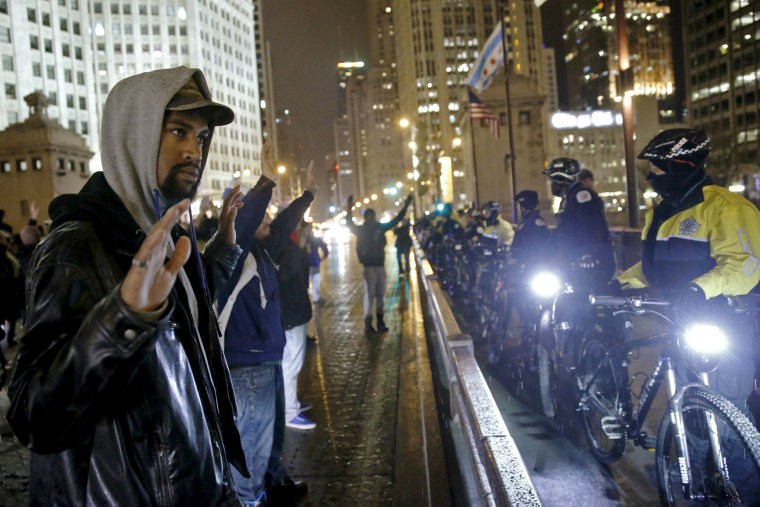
502,231
713,244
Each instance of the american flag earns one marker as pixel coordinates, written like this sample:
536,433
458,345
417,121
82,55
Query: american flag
479,111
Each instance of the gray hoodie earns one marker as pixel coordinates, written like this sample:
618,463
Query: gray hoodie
131,133
130,138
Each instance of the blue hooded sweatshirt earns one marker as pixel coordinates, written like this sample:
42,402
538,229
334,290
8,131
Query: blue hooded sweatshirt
250,315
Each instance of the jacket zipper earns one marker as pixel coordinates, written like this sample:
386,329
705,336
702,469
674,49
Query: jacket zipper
163,471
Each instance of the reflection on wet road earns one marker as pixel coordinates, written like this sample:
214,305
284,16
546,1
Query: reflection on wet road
375,443
554,450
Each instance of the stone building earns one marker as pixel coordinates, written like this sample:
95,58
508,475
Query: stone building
486,167
39,159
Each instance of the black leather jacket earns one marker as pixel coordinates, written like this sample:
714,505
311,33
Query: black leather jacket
117,410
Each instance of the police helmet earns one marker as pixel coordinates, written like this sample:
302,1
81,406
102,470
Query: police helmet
492,207
528,199
679,148
563,170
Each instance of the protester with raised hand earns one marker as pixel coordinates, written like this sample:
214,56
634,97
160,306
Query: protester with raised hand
121,389
254,340
370,248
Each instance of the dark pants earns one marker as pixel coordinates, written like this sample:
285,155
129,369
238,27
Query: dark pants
402,256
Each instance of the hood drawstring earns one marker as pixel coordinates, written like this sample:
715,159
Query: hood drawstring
156,204
197,251
194,238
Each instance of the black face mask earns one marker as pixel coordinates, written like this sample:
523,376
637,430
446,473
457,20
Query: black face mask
674,184
664,184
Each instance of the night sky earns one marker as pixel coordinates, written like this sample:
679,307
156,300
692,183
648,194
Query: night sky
307,40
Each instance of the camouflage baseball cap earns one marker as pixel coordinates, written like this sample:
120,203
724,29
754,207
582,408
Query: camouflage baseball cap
189,97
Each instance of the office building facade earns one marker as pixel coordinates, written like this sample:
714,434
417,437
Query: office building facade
75,51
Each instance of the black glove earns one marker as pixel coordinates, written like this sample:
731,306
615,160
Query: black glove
614,288
689,301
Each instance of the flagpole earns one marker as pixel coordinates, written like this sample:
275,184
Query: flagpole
512,155
474,157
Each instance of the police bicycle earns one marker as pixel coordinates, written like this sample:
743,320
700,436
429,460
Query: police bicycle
707,451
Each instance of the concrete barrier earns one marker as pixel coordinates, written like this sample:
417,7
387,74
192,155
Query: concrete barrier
493,471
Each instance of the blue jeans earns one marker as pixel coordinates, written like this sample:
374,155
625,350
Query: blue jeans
260,402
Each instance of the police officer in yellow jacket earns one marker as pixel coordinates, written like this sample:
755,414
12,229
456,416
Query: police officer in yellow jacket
495,226
701,240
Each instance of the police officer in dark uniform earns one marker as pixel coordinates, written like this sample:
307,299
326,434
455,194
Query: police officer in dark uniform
582,249
582,238
448,225
532,235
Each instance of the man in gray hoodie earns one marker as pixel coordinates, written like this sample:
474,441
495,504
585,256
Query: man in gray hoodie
121,389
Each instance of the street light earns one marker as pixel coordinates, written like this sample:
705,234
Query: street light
404,123
281,169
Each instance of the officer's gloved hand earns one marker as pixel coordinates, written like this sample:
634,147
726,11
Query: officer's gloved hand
588,262
689,301
614,288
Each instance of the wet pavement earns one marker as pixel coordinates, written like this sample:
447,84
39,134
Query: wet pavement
377,440
554,450
14,458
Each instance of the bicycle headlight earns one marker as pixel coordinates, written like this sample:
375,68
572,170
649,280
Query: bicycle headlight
705,339
545,285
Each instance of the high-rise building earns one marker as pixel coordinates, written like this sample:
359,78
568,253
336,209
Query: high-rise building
75,51
385,161
49,48
550,83
595,139
263,73
590,53
722,55
350,129
347,180
436,43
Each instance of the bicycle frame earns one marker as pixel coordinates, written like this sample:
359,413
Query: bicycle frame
676,419
664,370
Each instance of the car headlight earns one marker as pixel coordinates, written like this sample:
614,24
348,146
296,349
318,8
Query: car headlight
705,339
545,285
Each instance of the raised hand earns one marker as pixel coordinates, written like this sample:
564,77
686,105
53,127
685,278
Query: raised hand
34,210
267,161
151,277
232,203
311,183
409,198
350,202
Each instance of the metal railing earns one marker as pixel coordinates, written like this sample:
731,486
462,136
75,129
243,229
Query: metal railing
499,473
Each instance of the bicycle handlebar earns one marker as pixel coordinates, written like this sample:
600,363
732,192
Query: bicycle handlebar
633,301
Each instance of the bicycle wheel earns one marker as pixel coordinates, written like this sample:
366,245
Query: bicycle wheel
739,445
497,329
603,383
547,379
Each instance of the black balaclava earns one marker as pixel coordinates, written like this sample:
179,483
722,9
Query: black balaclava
679,177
